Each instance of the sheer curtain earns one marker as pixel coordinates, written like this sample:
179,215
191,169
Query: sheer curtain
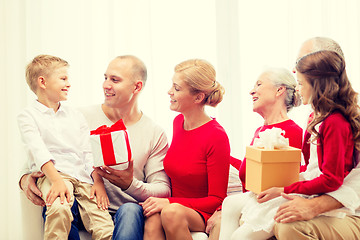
239,37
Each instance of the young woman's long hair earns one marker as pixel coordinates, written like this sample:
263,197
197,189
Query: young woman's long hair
332,91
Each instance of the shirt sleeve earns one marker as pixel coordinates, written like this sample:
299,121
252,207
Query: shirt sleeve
86,146
332,165
156,182
34,145
349,193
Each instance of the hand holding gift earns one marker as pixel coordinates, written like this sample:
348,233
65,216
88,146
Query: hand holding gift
110,145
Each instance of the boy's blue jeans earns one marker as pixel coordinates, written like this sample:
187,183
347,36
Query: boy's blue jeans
128,221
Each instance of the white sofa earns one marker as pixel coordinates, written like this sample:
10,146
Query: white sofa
33,226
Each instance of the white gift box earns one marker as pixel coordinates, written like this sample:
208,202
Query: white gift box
110,146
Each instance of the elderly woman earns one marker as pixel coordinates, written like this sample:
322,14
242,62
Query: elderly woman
197,161
273,97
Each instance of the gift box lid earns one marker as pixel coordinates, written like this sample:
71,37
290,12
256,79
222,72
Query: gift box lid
289,154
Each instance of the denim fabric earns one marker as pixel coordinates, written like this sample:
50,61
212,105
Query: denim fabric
129,222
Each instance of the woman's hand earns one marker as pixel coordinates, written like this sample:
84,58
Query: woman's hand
214,220
153,205
269,194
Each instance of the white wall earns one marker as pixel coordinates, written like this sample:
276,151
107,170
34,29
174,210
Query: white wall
239,37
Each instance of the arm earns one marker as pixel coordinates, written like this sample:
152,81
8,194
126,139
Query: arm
155,183
85,144
58,187
334,158
301,209
98,189
298,208
348,195
29,134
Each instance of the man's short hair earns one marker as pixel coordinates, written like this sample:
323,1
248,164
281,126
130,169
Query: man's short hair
138,67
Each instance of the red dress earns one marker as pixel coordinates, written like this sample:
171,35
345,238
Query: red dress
197,163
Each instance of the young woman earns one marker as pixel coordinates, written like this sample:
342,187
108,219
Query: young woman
197,161
331,138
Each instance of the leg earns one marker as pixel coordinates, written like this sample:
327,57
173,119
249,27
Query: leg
153,229
321,227
129,222
58,216
96,221
246,232
76,224
178,220
230,215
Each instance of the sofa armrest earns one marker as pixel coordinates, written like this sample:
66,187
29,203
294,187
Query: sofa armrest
32,222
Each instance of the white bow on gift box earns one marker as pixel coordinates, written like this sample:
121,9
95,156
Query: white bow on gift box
271,139
110,145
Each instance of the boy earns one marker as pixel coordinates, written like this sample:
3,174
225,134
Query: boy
56,142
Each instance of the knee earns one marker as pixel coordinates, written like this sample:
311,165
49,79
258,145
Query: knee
128,210
172,215
284,230
230,201
58,210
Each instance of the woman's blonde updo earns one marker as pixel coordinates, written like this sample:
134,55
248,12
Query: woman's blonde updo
200,76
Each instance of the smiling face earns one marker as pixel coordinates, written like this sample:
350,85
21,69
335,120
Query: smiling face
263,94
304,88
57,84
119,84
181,98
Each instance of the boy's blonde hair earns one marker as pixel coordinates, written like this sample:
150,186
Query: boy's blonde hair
42,65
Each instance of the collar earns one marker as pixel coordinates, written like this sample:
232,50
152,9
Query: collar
44,109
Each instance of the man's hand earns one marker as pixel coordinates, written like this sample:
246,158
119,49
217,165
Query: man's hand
298,209
120,178
32,192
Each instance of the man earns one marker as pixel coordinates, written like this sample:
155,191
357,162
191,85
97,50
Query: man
298,218
144,176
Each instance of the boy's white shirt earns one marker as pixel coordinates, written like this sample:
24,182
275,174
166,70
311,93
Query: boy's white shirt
61,137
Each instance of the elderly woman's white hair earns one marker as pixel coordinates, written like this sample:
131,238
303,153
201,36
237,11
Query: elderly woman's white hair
283,77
